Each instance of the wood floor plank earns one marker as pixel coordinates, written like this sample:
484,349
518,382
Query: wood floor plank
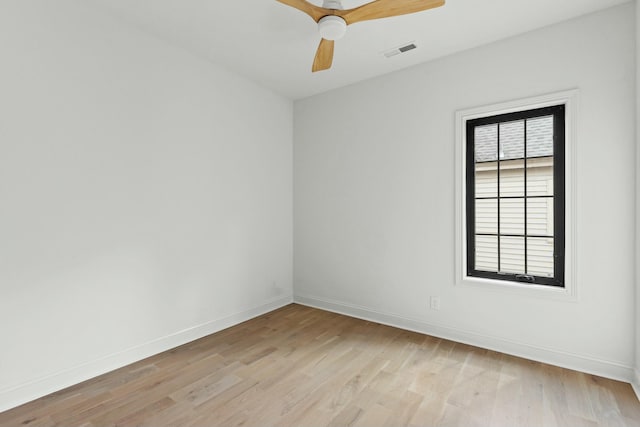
299,366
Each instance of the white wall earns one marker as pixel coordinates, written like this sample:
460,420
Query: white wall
146,197
636,383
374,195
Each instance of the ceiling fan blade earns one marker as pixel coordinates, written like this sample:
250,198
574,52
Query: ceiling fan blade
386,8
315,12
324,56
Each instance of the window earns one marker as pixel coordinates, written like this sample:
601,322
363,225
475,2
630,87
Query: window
515,196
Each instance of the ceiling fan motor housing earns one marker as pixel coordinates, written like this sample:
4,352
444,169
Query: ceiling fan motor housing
332,27
332,4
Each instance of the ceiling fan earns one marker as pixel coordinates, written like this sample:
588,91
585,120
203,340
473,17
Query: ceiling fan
333,20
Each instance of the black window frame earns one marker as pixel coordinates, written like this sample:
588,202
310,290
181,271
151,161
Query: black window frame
559,166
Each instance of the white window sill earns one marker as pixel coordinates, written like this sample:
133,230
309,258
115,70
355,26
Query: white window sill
503,286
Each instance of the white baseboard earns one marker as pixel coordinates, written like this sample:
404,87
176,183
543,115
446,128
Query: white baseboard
23,393
635,383
591,365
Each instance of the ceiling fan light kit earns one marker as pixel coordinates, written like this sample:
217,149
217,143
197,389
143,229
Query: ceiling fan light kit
333,20
332,27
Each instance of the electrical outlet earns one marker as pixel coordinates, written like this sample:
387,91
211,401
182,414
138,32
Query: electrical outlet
435,303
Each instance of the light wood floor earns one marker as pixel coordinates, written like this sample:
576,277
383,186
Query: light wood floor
299,366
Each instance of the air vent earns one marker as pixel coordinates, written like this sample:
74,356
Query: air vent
401,49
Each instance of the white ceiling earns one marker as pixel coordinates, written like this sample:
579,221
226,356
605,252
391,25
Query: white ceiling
274,44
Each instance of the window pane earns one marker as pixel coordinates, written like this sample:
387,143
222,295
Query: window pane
540,176
512,140
486,179
512,178
540,136
486,143
487,216
487,253
512,216
512,255
540,216
540,256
